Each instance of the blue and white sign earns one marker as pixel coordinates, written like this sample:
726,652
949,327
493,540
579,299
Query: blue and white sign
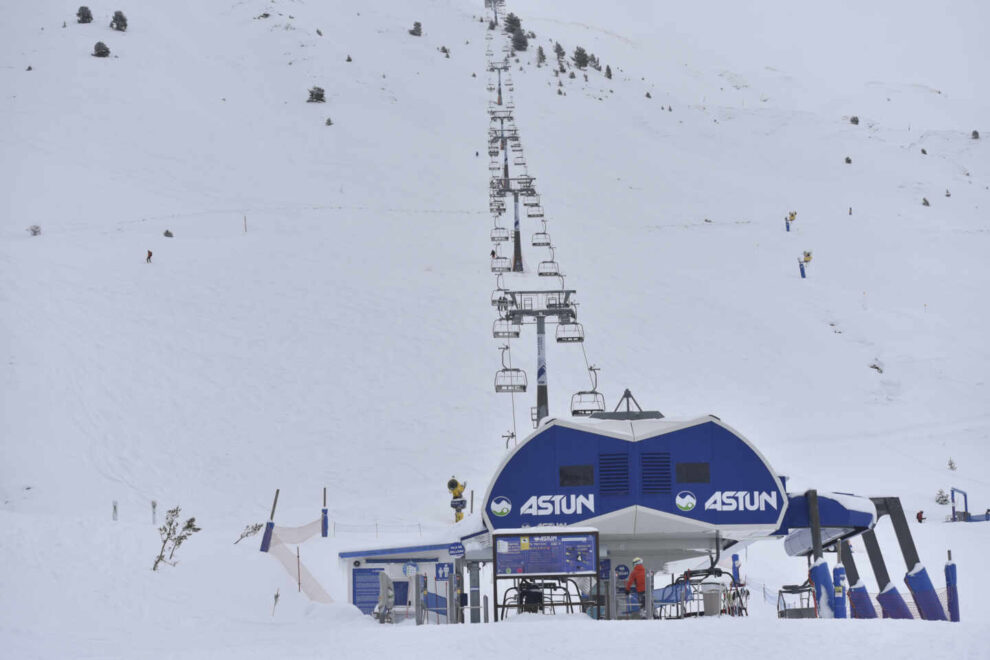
444,569
410,569
546,554
622,572
604,569
456,550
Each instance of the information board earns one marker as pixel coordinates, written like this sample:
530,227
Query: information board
546,554
365,588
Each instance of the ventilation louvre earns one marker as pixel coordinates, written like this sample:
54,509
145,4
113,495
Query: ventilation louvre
656,474
613,474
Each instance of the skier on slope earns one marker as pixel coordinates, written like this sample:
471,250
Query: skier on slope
148,260
920,516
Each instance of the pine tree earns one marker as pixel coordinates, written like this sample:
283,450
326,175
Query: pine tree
84,15
558,50
580,57
541,57
316,95
519,41
417,29
952,463
512,23
101,50
608,72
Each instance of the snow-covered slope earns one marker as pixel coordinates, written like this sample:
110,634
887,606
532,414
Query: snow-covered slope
343,340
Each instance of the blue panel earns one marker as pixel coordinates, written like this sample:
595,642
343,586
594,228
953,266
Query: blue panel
364,588
831,512
923,592
382,552
401,589
526,492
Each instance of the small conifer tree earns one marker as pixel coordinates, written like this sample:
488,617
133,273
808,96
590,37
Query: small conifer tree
608,72
316,95
417,29
101,50
119,21
84,15
580,57
952,464
558,50
541,57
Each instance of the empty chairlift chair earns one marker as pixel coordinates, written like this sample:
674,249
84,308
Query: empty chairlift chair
500,234
569,333
588,402
534,212
548,268
532,200
505,329
541,238
509,379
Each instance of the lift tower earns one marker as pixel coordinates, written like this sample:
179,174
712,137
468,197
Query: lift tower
536,307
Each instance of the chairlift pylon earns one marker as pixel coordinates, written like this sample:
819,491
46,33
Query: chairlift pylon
509,379
588,402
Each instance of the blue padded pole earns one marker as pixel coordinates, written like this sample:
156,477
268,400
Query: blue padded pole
266,540
324,524
735,569
925,597
839,579
891,602
951,589
821,580
801,266
860,604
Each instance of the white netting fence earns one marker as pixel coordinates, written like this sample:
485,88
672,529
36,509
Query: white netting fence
281,536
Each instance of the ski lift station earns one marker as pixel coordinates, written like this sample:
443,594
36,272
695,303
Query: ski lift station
571,507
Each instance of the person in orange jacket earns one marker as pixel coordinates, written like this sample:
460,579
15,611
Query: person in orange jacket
637,581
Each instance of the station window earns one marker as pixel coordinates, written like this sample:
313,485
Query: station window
577,475
694,473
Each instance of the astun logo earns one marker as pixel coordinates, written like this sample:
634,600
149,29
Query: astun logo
685,500
556,505
501,506
741,500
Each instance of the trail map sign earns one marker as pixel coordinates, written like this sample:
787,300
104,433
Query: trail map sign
546,554
534,557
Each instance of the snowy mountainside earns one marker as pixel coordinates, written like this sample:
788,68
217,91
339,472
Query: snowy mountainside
343,340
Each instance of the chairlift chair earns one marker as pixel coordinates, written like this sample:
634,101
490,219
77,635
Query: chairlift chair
509,379
541,239
534,212
505,329
532,200
571,332
501,265
500,234
588,402
548,268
